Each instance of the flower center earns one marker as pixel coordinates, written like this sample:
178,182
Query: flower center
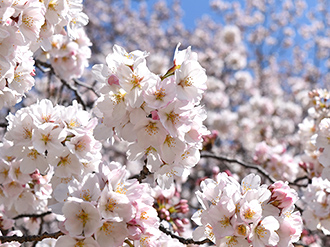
249,214
225,222
160,94
83,216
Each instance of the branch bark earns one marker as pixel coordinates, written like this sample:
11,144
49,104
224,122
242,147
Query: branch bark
251,166
184,240
30,238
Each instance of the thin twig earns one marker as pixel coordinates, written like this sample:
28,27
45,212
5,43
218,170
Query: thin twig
301,178
295,182
39,232
41,64
129,243
30,238
258,168
143,174
3,125
32,215
75,90
86,86
184,240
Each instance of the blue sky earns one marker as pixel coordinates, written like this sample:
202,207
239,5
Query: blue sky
195,9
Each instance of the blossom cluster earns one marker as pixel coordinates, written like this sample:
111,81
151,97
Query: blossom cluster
159,116
171,208
321,142
22,193
68,57
26,26
49,158
107,208
317,210
45,144
314,132
247,214
277,161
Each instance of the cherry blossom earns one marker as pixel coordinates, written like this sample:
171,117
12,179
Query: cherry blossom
164,119
71,242
316,197
111,233
265,232
82,218
246,213
267,113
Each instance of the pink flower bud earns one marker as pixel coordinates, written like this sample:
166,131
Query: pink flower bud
178,222
113,80
154,115
282,195
185,221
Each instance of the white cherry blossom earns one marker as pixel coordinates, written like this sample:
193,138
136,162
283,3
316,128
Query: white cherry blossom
82,218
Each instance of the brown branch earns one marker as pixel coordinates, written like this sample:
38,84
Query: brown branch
258,168
143,174
3,125
75,90
295,182
86,86
32,215
30,238
39,232
184,240
40,64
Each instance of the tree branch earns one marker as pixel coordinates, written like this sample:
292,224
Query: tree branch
295,182
75,90
3,125
86,86
40,64
258,168
32,215
143,174
30,238
184,240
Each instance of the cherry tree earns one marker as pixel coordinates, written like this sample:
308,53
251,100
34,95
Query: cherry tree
134,131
